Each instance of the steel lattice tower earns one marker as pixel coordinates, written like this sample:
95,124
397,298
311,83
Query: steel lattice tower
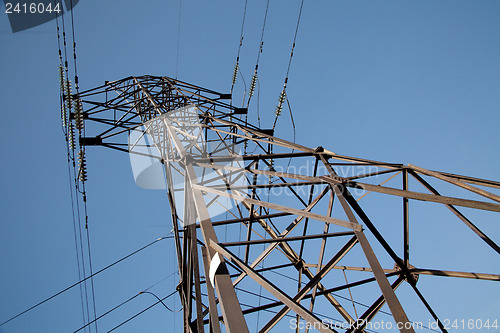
292,212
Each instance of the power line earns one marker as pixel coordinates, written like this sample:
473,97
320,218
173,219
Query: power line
123,303
163,279
141,312
84,197
107,312
169,309
178,40
81,281
74,46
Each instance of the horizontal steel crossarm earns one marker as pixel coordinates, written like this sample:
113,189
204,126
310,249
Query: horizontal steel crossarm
287,239
298,212
473,180
245,219
426,271
267,138
274,290
375,173
288,144
416,195
273,185
265,269
278,174
465,275
455,211
467,179
471,188
247,157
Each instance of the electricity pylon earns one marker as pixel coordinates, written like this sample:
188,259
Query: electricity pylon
264,228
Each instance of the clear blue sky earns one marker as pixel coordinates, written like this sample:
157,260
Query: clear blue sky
397,81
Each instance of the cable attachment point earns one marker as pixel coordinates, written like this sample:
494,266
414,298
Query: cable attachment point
82,165
281,100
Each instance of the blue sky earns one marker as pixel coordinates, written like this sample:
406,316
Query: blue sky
397,81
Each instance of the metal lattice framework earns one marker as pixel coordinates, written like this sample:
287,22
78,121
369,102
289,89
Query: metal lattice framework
291,227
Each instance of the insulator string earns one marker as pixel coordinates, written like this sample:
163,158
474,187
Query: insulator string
69,136
253,81
282,95
237,64
293,130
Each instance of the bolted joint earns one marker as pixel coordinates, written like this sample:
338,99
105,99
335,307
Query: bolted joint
411,277
299,264
319,150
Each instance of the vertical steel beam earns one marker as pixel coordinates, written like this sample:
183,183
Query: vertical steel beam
406,222
196,273
231,310
212,304
251,212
